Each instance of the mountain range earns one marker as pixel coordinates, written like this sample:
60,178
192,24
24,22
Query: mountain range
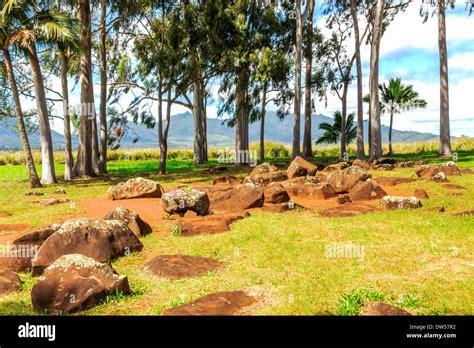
181,134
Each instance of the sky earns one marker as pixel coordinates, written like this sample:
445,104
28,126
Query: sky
409,50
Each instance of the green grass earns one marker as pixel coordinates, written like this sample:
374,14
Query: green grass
409,255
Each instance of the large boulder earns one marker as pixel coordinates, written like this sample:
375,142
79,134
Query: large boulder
131,219
301,167
344,180
180,201
36,237
275,193
295,186
245,196
421,194
25,247
210,224
384,160
335,167
361,163
135,188
101,240
394,202
366,190
429,171
76,282
9,281
264,174
317,191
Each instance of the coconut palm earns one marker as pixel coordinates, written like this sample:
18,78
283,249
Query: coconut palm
332,132
26,26
395,98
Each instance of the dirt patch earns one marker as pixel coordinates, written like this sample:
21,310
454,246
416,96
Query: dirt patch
466,171
393,181
181,266
455,194
220,303
14,227
384,309
453,187
464,213
348,210
5,215
149,209
209,224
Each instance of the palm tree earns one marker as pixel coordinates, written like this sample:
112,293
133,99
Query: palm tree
395,98
33,178
332,132
29,25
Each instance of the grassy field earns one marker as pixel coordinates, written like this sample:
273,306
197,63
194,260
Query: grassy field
420,261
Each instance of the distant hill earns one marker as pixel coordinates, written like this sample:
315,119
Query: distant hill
219,135
181,134
10,137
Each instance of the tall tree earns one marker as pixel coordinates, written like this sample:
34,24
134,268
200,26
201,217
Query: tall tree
103,87
360,103
444,126
395,98
307,143
84,165
33,178
300,21
34,25
377,28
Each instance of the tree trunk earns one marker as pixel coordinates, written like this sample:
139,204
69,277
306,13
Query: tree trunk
307,146
242,155
344,122
262,124
33,178
161,142
444,131
198,121
390,150
360,103
69,162
95,134
48,175
376,150
83,165
369,135
204,124
103,88
296,151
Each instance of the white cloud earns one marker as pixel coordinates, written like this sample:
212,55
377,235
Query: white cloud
464,61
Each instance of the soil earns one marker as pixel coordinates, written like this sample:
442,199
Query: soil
149,210
393,181
465,213
181,266
347,210
384,309
14,227
5,215
453,187
209,224
219,303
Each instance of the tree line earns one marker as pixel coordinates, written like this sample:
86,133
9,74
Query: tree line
146,54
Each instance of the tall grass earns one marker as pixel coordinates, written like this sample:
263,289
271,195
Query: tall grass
272,150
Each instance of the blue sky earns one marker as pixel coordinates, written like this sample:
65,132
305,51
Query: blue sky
409,50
